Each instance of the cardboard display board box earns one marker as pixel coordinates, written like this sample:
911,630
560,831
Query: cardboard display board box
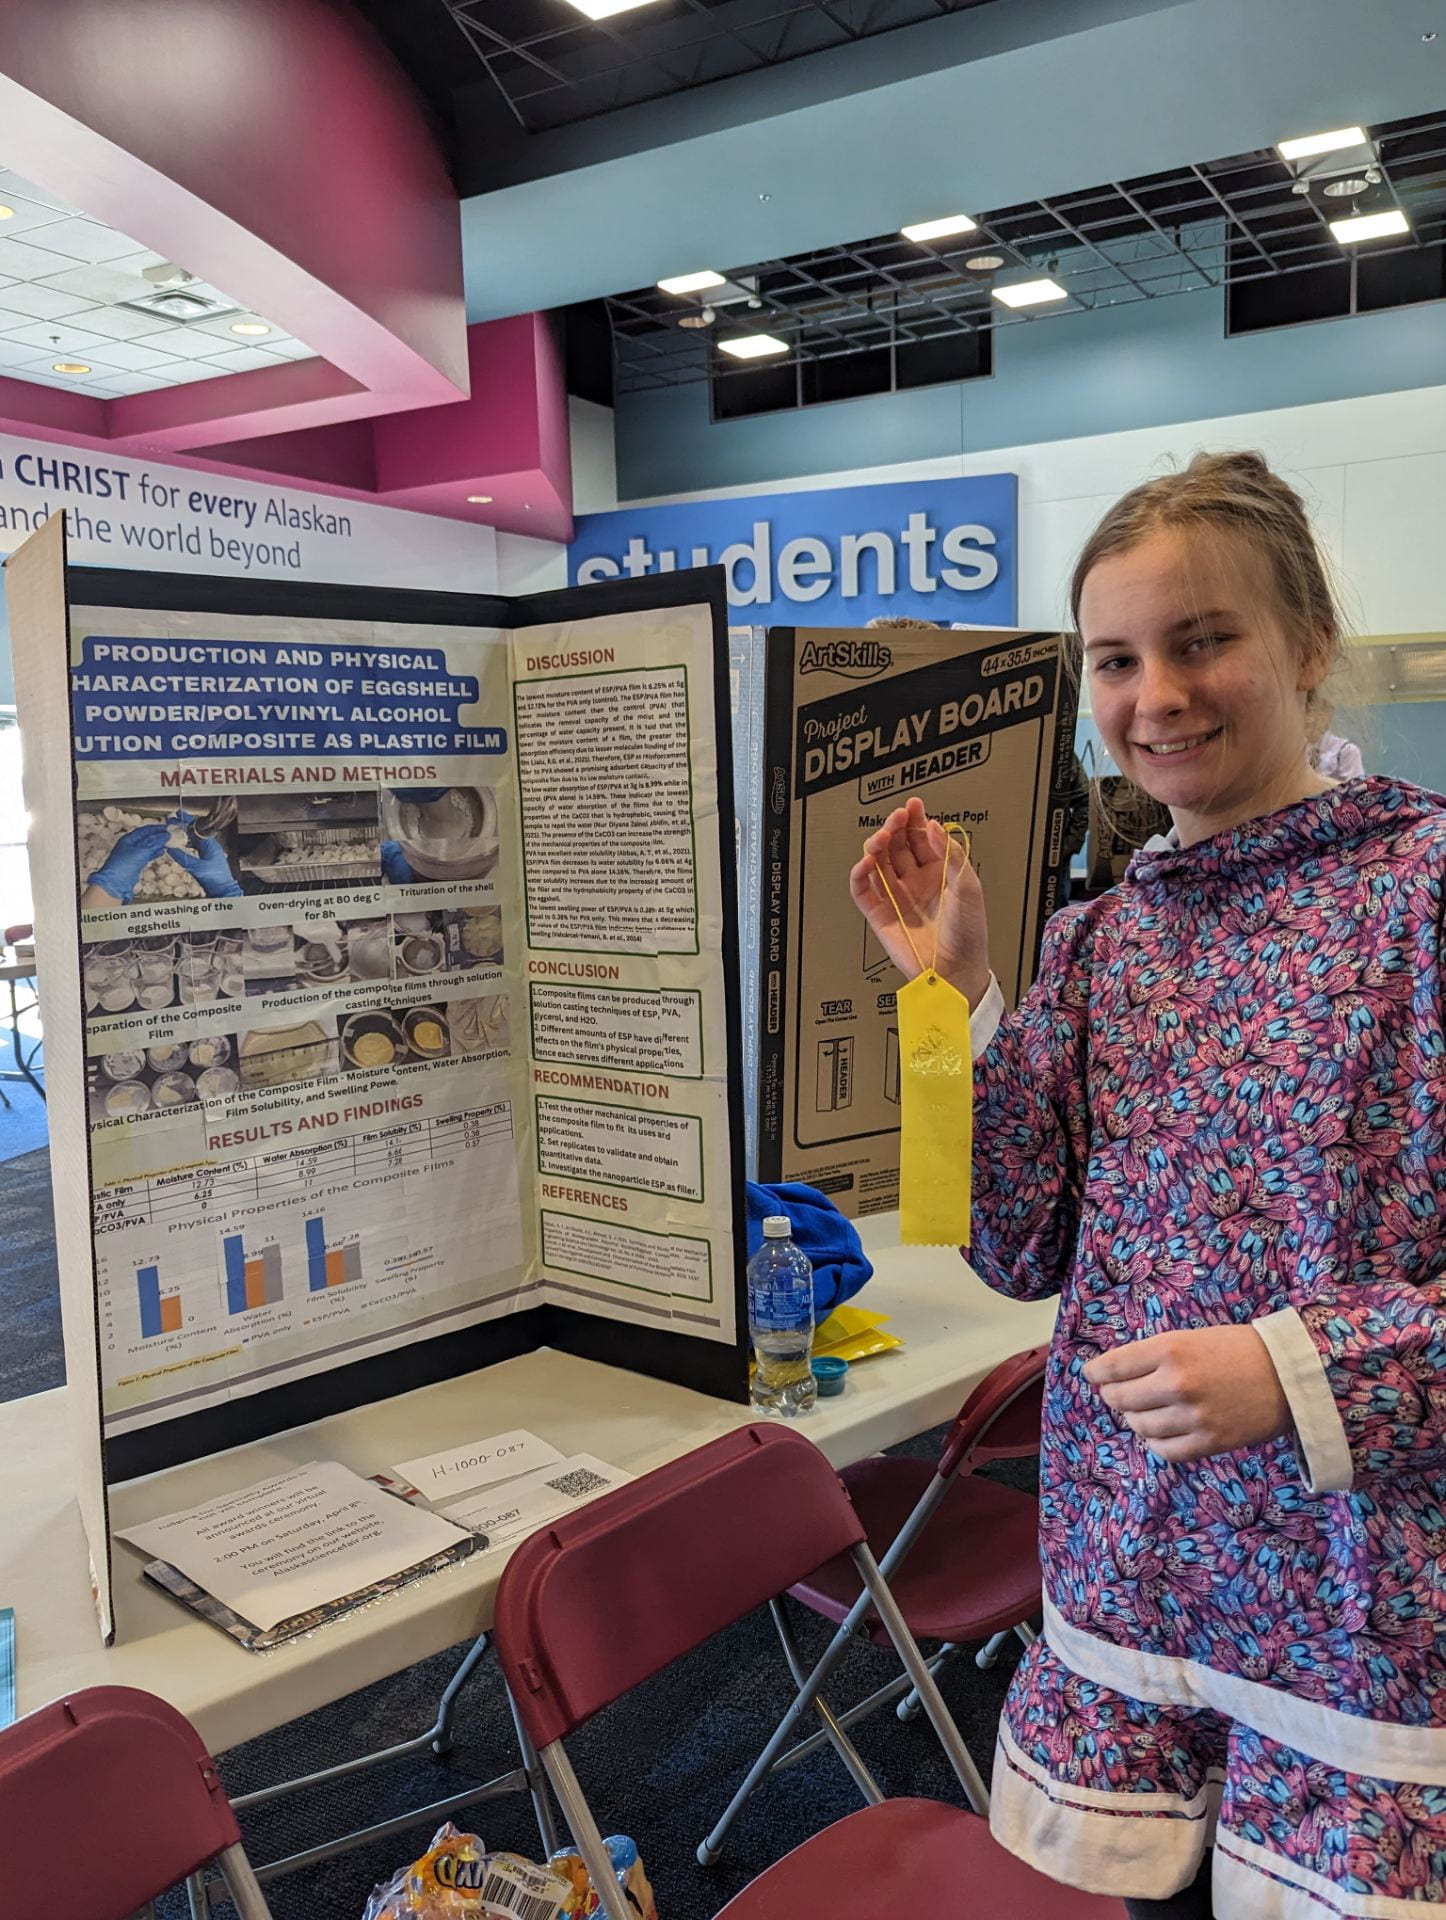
979,724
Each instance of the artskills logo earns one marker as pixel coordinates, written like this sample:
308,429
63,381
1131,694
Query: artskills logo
853,659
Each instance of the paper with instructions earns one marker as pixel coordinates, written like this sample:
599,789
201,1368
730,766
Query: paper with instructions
386,1032
296,1541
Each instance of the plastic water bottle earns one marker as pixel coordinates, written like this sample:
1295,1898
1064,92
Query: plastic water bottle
780,1321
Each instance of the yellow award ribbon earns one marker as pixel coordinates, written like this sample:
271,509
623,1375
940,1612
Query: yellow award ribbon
936,1092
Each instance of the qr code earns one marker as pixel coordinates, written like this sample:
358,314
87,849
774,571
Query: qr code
580,1481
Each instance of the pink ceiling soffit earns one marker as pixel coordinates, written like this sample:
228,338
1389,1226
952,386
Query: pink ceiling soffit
270,148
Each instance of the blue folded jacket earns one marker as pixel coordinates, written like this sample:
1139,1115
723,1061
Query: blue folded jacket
831,1242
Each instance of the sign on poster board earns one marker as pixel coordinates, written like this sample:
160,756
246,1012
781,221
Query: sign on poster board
388,943
981,727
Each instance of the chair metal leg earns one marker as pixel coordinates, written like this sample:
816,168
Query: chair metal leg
584,1831
1025,1634
242,1885
832,1726
988,1654
908,1707
876,1591
197,1898
441,1733
710,1848
536,1781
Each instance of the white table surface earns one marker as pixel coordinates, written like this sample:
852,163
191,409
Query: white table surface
955,1331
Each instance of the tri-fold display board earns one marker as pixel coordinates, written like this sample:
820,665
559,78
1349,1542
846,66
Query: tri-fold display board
388,943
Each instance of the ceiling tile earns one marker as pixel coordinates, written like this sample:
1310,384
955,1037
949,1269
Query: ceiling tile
14,353
82,239
177,372
104,282
135,356
123,323
12,183
36,301
186,344
26,216
288,349
245,360
24,262
130,383
63,340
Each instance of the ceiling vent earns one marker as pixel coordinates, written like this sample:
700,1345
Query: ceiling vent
182,303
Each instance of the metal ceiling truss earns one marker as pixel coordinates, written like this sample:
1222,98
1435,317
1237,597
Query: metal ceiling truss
553,66
1182,231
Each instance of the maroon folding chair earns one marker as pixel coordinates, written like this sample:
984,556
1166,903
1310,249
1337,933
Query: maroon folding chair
601,1600
960,1554
108,1799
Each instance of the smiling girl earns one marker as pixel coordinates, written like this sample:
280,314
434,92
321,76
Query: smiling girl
1216,1128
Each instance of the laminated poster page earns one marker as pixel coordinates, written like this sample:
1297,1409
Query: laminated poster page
980,725
403,991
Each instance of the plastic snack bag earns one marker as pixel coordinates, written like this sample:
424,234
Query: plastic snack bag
581,1898
458,1879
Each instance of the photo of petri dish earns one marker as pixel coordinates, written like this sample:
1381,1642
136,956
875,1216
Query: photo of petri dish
427,1032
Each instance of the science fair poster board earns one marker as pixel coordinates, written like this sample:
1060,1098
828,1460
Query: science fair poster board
979,724
416,1042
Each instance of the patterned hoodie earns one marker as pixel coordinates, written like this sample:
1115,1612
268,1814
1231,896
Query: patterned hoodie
1224,1101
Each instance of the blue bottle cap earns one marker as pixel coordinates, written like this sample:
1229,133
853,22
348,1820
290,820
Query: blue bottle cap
830,1372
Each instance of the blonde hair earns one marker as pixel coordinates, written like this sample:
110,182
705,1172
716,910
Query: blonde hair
1237,494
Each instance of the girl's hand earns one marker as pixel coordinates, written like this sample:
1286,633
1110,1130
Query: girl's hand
911,851
1199,1391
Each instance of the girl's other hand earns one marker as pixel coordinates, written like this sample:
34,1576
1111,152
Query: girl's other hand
1194,1392
912,853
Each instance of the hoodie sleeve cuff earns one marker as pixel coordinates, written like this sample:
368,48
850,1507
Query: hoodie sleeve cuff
1325,1453
985,1018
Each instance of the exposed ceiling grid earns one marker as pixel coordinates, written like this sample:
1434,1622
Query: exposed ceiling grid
64,280
552,66
1242,218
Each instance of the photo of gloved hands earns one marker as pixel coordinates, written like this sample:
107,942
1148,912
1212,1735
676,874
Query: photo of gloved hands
117,853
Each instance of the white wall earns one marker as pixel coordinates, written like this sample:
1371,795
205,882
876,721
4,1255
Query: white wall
1372,469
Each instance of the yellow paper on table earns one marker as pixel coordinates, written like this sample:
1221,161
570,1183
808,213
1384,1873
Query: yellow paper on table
936,1094
854,1333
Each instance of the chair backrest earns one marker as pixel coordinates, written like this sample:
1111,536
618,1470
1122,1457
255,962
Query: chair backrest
601,1600
107,1798
1000,1419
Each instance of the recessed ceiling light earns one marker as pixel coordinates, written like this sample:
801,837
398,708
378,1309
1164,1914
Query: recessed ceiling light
1313,143
479,499
984,262
703,317
1030,293
691,282
250,327
753,346
1370,226
605,9
938,229
70,366
1350,188
7,213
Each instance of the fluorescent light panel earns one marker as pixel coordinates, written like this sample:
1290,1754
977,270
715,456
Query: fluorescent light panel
940,229
691,282
1313,143
605,9
1030,293
753,346
1370,226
